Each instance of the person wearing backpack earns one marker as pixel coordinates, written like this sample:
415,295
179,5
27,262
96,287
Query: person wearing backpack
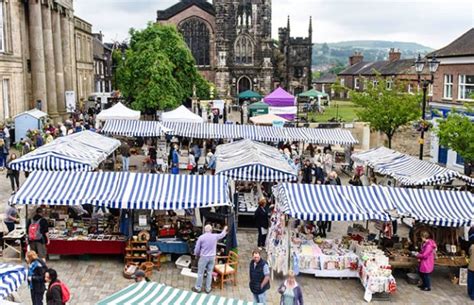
36,270
58,293
37,234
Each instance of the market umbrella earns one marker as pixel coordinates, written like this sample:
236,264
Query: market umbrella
312,93
147,293
258,108
249,94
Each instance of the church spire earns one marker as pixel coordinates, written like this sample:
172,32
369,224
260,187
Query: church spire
310,31
288,25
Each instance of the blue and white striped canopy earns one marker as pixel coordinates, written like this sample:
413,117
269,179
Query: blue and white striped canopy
247,160
260,133
11,278
406,169
82,151
134,128
124,190
350,203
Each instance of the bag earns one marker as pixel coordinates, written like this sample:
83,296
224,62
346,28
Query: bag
190,167
65,293
34,232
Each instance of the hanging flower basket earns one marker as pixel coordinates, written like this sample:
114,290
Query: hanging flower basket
423,125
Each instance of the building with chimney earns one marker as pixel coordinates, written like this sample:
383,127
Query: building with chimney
232,45
37,56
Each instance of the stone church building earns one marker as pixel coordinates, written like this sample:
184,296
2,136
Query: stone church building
233,48
44,51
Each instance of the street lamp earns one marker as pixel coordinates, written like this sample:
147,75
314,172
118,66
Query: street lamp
433,65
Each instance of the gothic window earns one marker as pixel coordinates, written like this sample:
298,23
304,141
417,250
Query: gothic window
243,50
298,72
196,35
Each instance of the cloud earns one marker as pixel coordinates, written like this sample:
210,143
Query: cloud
434,23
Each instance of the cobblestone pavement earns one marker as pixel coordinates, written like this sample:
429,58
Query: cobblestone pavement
93,278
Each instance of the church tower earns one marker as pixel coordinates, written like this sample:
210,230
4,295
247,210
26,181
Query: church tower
243,46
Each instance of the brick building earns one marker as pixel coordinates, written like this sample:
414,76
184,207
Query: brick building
102,65
233,48
453,86
394,69
324,84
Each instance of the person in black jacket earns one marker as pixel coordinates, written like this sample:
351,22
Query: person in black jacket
54,295
39,245
259,274
318,173
307,172
36,270
261,221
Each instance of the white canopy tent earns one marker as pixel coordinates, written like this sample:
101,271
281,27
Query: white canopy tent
267,119
181,114
118,112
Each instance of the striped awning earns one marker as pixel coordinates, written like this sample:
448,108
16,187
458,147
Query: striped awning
124,190
134,128
261,133
350,203
151,293
82,151
11,278
247,160
407,170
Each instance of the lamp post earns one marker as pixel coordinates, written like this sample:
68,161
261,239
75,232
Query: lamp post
419,66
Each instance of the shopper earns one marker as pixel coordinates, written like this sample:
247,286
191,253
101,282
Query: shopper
38,234
205,249
307,172
58,292
262,223
355,180
426,258
470,268
11,217
328,161
125,152
192,165
259,278
13,174
36,270
318,173
290,291
175,160
3,154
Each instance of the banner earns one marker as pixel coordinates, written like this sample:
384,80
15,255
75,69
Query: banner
70,101
282,110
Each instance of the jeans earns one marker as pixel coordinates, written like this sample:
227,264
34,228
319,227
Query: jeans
425,280
125,163
15,179
261,238
205,263
10,226
37,297
260,298
470,284
3,160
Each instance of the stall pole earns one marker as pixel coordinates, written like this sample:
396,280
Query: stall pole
289,242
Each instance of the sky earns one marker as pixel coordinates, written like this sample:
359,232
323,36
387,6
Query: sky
433,23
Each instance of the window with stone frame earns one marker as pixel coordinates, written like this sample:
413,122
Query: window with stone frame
197,37
2,26
298,72
243,50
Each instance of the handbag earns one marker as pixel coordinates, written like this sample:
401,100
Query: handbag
190,167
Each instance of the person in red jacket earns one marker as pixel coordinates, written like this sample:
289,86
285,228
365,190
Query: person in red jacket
426,257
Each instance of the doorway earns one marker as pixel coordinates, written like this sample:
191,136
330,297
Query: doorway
244,84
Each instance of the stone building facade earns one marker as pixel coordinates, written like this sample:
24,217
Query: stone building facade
84,59
102,65
37,56
232,44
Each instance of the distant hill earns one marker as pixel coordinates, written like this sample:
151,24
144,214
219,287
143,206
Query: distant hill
327,56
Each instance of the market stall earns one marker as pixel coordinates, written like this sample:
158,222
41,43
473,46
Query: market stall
281,103
11,278
257,109
407,170
147,293
28,120
181,114
72,230
82,151
134,128
261,133
267,119
118,112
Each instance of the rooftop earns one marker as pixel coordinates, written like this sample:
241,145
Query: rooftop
462,46
183,5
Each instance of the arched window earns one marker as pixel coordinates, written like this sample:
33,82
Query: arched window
196,35
243,50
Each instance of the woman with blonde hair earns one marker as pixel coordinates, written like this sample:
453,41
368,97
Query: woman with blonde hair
291,293
36,270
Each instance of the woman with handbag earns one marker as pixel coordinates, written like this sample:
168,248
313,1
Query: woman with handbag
291,293
192,165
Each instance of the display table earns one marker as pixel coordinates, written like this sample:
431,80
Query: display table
171,245
13,242
82,247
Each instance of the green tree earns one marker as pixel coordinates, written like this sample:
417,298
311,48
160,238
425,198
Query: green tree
158,71
386,109
456,132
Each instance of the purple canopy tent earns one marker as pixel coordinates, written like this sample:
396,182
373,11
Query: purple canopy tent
279,98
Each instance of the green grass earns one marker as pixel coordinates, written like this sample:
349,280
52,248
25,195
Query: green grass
345,110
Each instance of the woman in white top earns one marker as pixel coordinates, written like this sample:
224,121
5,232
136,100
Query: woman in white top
192,163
